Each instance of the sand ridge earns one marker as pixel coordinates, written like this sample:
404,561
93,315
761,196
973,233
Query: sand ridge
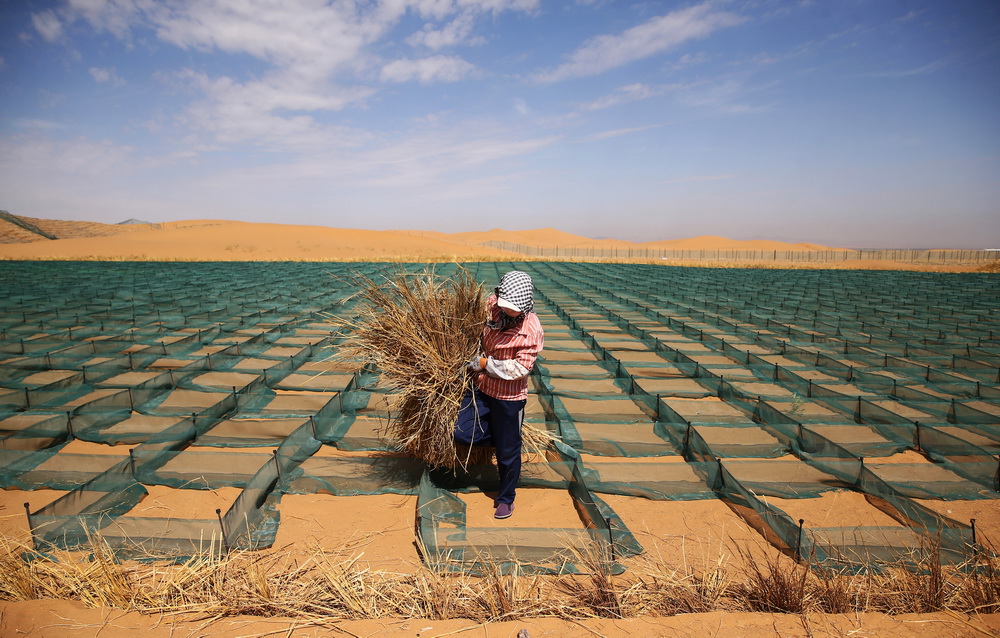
225,240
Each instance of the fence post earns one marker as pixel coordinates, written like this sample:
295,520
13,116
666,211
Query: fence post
798,542
222,528
31,529
611,541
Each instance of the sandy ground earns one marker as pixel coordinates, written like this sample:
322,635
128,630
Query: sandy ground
59,619
689,536
379,529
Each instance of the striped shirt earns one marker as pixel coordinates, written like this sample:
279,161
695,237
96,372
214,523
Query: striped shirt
510,355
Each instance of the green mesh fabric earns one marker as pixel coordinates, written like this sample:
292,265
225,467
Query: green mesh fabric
745,385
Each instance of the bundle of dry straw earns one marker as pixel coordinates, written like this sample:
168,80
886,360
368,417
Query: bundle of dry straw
421,330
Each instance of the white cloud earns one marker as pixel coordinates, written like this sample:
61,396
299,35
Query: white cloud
926,69
624,95
276,92
424,159
41,156
697,179
604,135
911,15
37,124
658,34
726,96
418,159
458,31
312,34
317,54
723,96
106,76
312,38
438,68
114,16
689,60
47,24
256,112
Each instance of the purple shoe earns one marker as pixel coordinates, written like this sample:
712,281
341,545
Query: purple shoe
504,510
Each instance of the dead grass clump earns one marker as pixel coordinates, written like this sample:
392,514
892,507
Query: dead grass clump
928,586
979,588
333,585
420,331
597,593
661,591
773,584
17,582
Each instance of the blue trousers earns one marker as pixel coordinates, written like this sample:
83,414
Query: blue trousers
485,421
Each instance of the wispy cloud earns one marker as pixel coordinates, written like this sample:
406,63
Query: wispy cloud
438,68
664,32
604,135
271,114
113,16
729,96
317,56
458,31
425,158
106,76
421,161
37,124
926,69
910,15
48,25
38,155
624,95
696,179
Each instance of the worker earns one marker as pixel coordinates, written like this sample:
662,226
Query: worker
493,412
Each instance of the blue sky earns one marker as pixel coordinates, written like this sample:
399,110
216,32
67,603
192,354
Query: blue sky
844,122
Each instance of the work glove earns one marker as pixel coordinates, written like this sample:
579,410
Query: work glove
476,364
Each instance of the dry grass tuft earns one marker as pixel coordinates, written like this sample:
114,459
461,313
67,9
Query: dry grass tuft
421,330
330,585
598,593
774,584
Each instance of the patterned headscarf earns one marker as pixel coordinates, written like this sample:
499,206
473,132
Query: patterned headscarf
517,288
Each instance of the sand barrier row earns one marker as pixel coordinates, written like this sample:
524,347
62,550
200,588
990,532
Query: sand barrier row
767,390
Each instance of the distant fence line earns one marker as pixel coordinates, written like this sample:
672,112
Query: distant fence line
820,256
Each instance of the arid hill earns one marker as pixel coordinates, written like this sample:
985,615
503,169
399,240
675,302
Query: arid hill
15,229
33,238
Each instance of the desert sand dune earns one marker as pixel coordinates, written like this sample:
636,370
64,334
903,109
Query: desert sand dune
225,240
713,242
229,241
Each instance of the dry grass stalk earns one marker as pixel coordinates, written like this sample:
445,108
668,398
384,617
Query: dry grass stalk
17,582
599,593
663,591
333,585
774,583
979,591
421,330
